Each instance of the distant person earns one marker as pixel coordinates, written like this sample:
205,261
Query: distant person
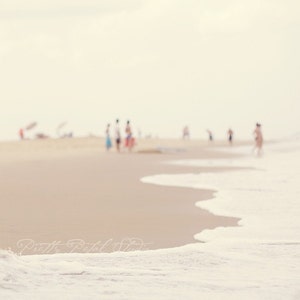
21,134
117,135
258,139
129,141
108,139
185,133
210,135
230,135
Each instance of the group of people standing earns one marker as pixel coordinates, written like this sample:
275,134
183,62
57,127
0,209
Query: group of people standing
257,136
129,139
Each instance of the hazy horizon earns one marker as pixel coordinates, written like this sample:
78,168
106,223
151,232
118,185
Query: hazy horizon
161,64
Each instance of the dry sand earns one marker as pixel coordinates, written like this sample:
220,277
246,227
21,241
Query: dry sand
71,195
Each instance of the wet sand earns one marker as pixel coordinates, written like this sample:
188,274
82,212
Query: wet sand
73,196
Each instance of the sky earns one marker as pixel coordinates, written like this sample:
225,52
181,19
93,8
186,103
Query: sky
162,64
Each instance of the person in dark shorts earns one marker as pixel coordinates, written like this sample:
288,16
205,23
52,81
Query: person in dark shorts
117,135
210,135
230,135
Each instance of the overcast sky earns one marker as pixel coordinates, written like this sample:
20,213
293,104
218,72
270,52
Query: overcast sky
162,64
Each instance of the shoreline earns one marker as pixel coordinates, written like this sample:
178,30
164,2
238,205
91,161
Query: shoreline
82,199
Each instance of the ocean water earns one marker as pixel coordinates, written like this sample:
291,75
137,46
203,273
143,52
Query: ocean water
259,259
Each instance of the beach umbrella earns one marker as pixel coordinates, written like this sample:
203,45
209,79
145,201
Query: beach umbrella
30,126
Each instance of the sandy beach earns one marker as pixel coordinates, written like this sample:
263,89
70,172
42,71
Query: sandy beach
88,211
70,195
